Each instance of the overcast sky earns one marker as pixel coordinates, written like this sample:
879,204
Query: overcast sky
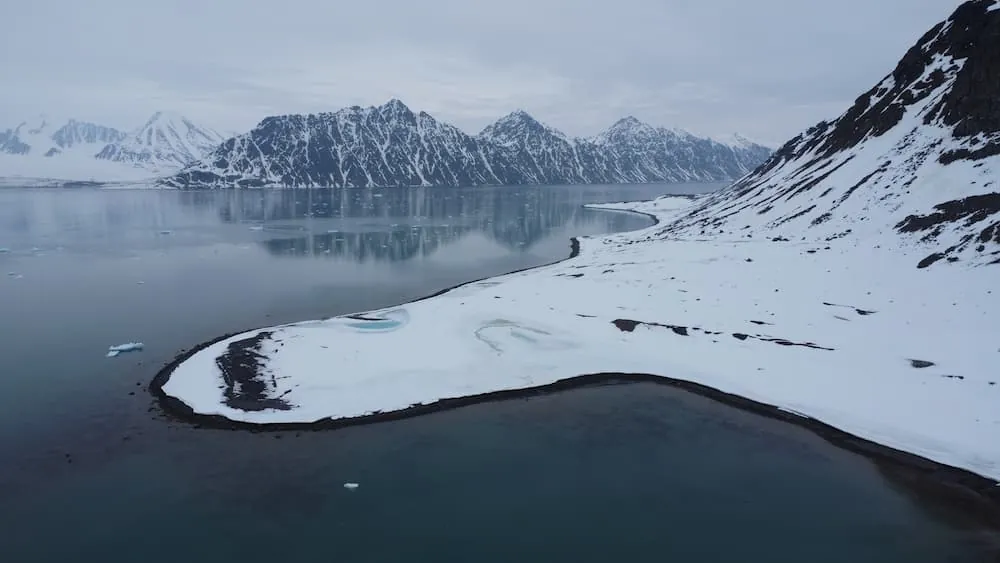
766,68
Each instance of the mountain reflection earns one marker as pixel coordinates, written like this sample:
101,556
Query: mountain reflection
399,224
393,246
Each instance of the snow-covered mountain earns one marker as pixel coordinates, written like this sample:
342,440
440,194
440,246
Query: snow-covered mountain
166,142
390,145
76,133
60,150
45,136
913,164
641,153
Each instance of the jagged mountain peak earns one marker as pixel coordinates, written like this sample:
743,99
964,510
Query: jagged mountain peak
518,117
631,124
518,125
912,165
396,105
626,129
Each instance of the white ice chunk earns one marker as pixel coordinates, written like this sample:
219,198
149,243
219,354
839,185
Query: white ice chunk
128,347
351,486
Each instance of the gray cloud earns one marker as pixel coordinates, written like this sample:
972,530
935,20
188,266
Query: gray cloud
767,68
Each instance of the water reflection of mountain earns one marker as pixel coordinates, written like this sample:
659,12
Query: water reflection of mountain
395,245
423,219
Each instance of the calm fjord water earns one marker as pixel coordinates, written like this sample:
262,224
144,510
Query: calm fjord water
91,470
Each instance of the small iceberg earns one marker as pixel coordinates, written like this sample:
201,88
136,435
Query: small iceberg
351,486
129,347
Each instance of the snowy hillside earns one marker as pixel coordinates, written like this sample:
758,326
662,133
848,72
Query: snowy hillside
913,165
166,142
390,145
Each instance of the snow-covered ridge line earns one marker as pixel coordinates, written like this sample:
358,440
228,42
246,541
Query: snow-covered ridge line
390,146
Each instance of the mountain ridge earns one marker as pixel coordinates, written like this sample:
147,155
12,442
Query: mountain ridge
390,145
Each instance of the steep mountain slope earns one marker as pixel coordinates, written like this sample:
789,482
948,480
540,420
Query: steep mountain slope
913,165
165,143
392,146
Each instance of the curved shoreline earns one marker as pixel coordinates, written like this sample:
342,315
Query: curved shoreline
977,496
177,407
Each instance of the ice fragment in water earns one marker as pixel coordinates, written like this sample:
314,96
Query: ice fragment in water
350,486
129,347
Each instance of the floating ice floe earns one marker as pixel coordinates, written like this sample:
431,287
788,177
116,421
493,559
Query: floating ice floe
122,348
351,486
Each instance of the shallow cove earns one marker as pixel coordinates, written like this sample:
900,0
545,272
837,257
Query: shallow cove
639,472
